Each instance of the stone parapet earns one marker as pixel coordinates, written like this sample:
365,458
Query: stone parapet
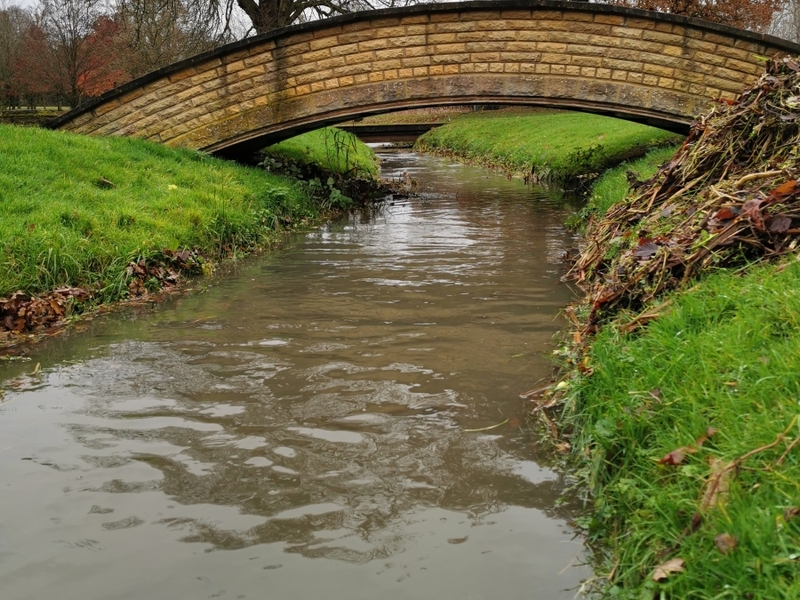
634,64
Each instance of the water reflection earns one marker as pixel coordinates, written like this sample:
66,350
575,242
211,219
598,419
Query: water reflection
328,401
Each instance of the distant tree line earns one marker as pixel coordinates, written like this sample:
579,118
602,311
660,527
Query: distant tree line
64,51
61,52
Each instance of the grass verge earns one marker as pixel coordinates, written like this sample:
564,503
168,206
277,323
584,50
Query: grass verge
613,185
98,213
726,356
544,145
337,151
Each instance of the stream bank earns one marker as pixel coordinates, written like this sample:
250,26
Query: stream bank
94,221
679,400
548,146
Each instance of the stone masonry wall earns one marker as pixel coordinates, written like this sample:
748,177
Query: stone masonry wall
617,63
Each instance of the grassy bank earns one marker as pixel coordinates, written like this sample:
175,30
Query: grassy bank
543,145
334,150
95,213
613,185
680,398
727,357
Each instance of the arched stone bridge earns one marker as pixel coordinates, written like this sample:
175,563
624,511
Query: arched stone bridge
639,65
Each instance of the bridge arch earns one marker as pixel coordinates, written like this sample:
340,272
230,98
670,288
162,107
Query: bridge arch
639,65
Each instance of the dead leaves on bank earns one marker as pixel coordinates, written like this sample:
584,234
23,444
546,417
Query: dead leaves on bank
162,272
731,194
22,312
26,313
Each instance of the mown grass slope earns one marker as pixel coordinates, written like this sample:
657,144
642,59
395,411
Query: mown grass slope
77,210
549,145
338,151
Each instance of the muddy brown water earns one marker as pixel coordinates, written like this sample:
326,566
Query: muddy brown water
313,425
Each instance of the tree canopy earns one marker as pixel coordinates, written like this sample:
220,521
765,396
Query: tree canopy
745,14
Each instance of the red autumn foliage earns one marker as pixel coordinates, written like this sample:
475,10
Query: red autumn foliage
746,14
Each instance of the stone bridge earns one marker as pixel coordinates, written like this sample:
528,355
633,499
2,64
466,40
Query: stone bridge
638,65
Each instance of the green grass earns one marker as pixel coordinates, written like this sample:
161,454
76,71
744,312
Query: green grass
726,355
612,186
336,150
62,226
550,145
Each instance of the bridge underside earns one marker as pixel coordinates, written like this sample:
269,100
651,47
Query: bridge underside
245,146
637,65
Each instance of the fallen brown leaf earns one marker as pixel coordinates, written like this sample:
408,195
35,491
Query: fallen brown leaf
674,458
665,569
678,455
725,542
784,190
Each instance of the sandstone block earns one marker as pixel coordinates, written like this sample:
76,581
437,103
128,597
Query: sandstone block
551,47
182,74
324,42
409,40
344,49
382,65
356,36
626,32
734,53
609,19
359,57
659,70
443,17
414,20
416,61
437,59
330,63
559,59
588,61
515,14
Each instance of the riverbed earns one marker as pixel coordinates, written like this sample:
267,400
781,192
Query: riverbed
340,418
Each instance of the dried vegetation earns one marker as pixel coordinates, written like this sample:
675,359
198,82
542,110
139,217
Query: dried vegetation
729,196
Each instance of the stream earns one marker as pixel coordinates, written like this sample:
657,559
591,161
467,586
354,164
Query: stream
338,419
